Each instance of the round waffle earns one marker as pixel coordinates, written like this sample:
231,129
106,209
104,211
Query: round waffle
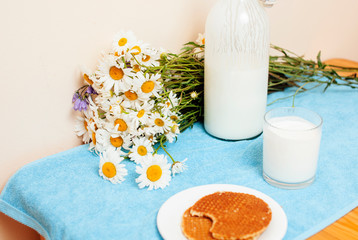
196,228
233,215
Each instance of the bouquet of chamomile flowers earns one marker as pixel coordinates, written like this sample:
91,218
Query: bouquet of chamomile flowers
127,113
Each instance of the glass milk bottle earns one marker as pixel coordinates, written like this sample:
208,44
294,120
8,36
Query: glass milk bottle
236,69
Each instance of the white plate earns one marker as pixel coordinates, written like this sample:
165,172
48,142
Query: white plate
171,212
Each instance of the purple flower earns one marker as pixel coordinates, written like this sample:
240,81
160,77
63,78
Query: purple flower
90,90
80,104
75,97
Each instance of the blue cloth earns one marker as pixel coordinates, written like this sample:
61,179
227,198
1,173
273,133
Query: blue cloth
63,197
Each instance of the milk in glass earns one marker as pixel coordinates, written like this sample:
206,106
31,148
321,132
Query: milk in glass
291,149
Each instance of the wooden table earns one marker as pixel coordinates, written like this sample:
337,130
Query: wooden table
345,228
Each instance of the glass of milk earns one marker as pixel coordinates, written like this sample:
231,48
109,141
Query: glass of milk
291,141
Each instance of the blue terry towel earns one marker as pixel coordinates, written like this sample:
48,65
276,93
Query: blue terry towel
63,197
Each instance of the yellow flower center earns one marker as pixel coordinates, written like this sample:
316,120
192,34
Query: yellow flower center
174,128
145,58
174,118
140,113
141,150
168,104
154,173
116,73
131,95
159,122
122,125
116,142
94,138
122,42
136,68
137,50
203,41
87,79
109,170
147,86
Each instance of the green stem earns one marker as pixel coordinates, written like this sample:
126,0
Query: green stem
161,144
156,150
294,96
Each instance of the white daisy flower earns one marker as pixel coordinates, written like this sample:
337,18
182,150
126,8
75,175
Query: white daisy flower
171,102
123,127
149,57
148,85
112,141
123,41
134,96
112,105
127,140
81,129
110,167
142,112
173,133
121,123
112,73
201,39
130,95
135,66
154,173
141,150
173,116
159,124
199,50
178,167
194,95
87,75
138,48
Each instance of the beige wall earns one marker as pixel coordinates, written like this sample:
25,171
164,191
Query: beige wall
44,42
